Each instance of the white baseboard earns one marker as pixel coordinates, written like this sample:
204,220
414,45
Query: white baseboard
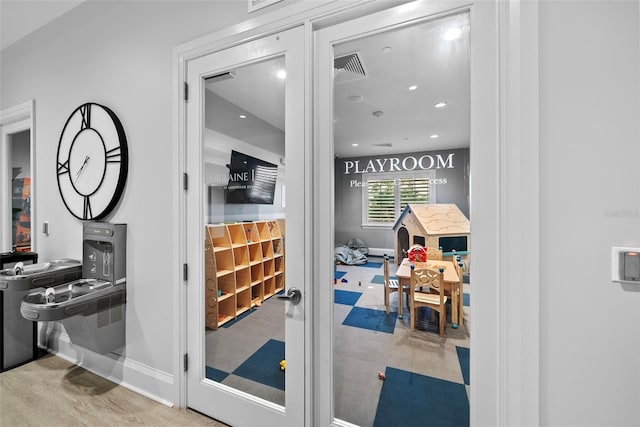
138,377
381,252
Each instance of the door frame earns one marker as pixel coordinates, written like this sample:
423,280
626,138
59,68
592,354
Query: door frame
505,363
288,46
18,118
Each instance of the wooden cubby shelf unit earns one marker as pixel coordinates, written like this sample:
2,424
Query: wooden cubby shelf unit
244,266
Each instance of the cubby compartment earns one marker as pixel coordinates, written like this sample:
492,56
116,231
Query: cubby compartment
224,262
277,246
241,257
278,264
255,253
243,279
257,274
226,310
219,236
257,294
237,235
274,229
267,250
251,232
269,287
243,301
263,230
279,282
226,286
269,269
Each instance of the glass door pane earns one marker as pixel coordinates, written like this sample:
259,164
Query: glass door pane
245,145
401,132
244,151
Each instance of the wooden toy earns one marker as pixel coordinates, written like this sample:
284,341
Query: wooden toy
433,225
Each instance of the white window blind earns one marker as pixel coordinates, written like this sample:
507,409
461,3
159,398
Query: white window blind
381,200
386,195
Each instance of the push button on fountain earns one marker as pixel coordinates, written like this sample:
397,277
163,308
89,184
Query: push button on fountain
50,295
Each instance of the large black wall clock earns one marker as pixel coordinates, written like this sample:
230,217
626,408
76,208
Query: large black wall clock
92,161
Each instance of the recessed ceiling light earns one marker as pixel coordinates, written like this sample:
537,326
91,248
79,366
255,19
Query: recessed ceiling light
440,104
386,50
281,74
355,98
355,144
434,136
413,87
242,116
452,34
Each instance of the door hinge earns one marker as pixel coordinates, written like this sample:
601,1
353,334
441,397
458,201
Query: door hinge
186,91
186,362
185,272
185,181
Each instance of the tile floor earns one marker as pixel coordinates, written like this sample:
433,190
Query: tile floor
367,342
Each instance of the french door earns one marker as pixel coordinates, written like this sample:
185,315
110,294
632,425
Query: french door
246,235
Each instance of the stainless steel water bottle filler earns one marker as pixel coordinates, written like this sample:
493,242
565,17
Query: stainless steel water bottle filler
92,309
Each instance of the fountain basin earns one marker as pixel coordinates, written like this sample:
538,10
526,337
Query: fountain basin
40,275
80,297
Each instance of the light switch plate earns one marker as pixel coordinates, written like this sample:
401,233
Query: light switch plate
624,265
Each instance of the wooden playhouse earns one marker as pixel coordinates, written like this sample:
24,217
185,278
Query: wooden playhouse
433,225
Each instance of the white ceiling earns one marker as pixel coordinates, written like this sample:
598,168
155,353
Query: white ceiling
21,17
417,55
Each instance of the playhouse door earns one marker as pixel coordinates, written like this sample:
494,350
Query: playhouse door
245,244
402,244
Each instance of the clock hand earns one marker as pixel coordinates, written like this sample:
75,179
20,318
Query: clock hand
86,160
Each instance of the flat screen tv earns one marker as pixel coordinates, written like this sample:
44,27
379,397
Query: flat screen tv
448,244
251,180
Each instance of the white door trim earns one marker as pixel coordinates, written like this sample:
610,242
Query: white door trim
506,390
16,119
505,217
296,14
519,198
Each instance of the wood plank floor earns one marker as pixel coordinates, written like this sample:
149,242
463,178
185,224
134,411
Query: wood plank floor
51,391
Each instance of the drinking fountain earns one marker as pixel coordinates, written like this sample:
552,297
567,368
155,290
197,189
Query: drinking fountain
92,308
19,336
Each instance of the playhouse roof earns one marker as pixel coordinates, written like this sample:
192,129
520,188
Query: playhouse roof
437,218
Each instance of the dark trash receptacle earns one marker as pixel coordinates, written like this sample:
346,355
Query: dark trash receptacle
18,344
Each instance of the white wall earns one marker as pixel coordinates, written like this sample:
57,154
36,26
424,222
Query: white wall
118,54
589,202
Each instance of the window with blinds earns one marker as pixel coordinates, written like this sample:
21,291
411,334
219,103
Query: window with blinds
381,200
387,195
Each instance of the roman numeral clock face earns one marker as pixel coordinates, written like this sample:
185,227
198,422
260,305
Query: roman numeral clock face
92,162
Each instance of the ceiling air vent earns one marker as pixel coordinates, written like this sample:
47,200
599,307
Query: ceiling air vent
348,68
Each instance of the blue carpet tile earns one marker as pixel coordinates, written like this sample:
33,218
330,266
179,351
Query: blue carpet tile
372,265
346,297
378,279
463,358
338,274
239,318
408,399
264,365
215,374
465,279
375,320
466,300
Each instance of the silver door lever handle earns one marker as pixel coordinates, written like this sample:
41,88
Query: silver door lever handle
293,294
